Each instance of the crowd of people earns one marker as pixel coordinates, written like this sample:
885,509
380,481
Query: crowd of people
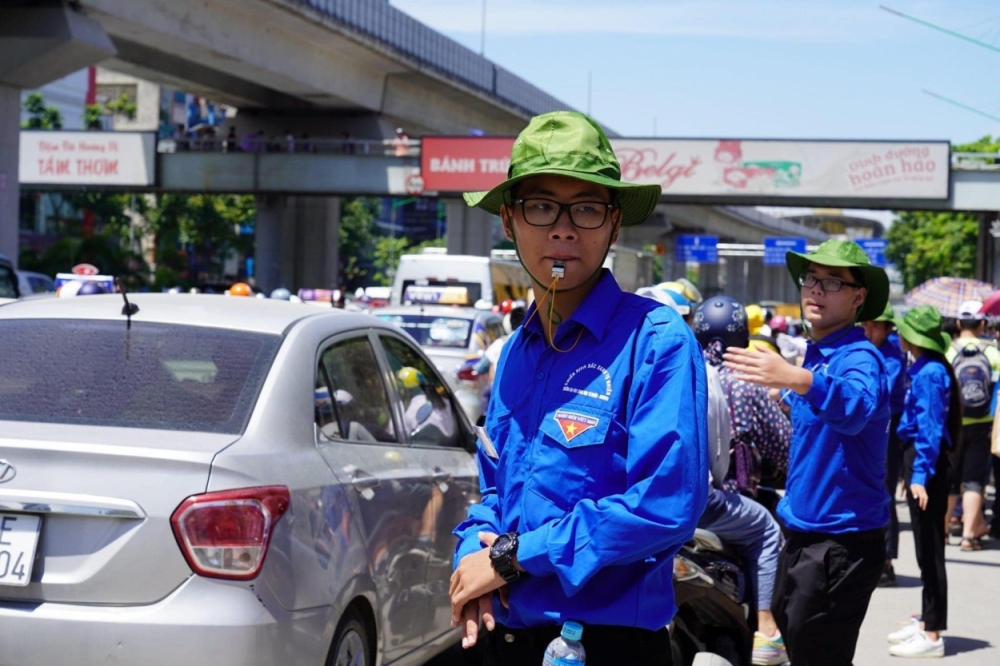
618,424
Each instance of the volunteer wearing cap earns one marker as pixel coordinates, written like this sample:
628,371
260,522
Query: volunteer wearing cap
972,468
593,465
835,506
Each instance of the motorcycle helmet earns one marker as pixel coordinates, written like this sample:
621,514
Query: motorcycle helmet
281,294
723,319
779,324
755,318
90,288
240,289
668,297
410,377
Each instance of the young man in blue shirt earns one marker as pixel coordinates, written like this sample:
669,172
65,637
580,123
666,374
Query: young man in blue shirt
593,464
835,507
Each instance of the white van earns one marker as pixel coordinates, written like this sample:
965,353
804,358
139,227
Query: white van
470,279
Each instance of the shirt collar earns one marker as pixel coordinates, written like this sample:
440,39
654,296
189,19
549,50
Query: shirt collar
838,339
594,312
919,363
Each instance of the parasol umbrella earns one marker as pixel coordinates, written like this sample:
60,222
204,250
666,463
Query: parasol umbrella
948,293
991,306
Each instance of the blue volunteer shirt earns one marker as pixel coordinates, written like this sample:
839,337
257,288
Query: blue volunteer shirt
926,415
836,466
601,464
895,366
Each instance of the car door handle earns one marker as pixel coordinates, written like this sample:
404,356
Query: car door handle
441,478
364,483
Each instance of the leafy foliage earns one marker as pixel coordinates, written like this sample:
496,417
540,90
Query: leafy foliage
41,115
925,244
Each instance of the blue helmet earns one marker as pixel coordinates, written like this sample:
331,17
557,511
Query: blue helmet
281,294
723,319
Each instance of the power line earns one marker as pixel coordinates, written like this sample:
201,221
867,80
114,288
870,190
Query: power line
960,105
939,28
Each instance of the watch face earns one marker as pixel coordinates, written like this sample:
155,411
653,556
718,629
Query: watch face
501,547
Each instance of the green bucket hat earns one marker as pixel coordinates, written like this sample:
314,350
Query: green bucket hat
888,314
848,254
567,143
921,326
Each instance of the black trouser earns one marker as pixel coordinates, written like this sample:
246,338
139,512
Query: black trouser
822,591
605,645
893,473
928,535
995,524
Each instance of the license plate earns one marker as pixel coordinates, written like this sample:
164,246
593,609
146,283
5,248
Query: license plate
18,540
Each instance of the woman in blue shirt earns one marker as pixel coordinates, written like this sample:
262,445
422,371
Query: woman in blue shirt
931,422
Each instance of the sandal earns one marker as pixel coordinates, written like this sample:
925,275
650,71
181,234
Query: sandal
971,543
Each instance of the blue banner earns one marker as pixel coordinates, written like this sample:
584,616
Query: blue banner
875,249
776,247
697,248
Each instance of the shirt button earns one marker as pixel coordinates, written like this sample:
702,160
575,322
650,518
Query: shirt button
540,375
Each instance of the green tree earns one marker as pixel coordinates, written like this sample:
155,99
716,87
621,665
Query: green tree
195,233
40,114
926,244
357,235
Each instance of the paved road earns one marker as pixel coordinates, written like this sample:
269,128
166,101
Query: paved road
973,638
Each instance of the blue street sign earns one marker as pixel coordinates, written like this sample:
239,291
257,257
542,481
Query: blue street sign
776,247
696,248
875,249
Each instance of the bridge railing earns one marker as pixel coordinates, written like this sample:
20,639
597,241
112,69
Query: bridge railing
426,46
975,161
327,146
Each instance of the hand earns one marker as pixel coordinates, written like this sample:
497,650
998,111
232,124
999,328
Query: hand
472,586
767,369
919,493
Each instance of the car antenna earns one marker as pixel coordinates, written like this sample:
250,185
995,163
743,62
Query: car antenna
128,309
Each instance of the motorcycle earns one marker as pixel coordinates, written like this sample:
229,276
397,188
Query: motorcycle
716,609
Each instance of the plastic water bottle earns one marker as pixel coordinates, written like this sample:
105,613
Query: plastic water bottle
566,649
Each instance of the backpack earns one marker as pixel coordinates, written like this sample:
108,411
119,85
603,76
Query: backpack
975,379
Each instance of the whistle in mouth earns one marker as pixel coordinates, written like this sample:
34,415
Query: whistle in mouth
558,270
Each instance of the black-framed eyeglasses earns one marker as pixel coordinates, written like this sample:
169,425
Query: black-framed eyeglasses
829,285
582,214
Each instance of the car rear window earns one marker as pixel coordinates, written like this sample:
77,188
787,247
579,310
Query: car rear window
161,376
431,331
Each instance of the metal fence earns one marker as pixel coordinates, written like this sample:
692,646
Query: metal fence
425,46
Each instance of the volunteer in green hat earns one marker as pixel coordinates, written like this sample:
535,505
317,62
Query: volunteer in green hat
593,462
932,421
878,331
835,506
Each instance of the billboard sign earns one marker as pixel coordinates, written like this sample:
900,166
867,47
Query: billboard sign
875,249
87,158
730,168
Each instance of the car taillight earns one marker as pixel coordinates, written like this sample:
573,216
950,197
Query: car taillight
225,534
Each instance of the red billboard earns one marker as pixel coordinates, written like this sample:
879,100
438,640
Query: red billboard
464,164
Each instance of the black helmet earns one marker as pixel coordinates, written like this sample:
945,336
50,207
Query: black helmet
723,319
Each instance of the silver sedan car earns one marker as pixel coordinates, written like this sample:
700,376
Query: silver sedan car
220,481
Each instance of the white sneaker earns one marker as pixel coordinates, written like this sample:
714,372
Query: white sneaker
906,633
919,646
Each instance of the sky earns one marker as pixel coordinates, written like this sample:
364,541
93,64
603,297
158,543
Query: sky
841,69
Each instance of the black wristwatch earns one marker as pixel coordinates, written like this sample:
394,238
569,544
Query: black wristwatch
502,554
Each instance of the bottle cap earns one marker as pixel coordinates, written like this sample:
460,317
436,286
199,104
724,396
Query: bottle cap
572,631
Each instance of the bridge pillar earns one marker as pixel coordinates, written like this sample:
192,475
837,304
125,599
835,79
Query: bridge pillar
470,230
297,242
10,114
